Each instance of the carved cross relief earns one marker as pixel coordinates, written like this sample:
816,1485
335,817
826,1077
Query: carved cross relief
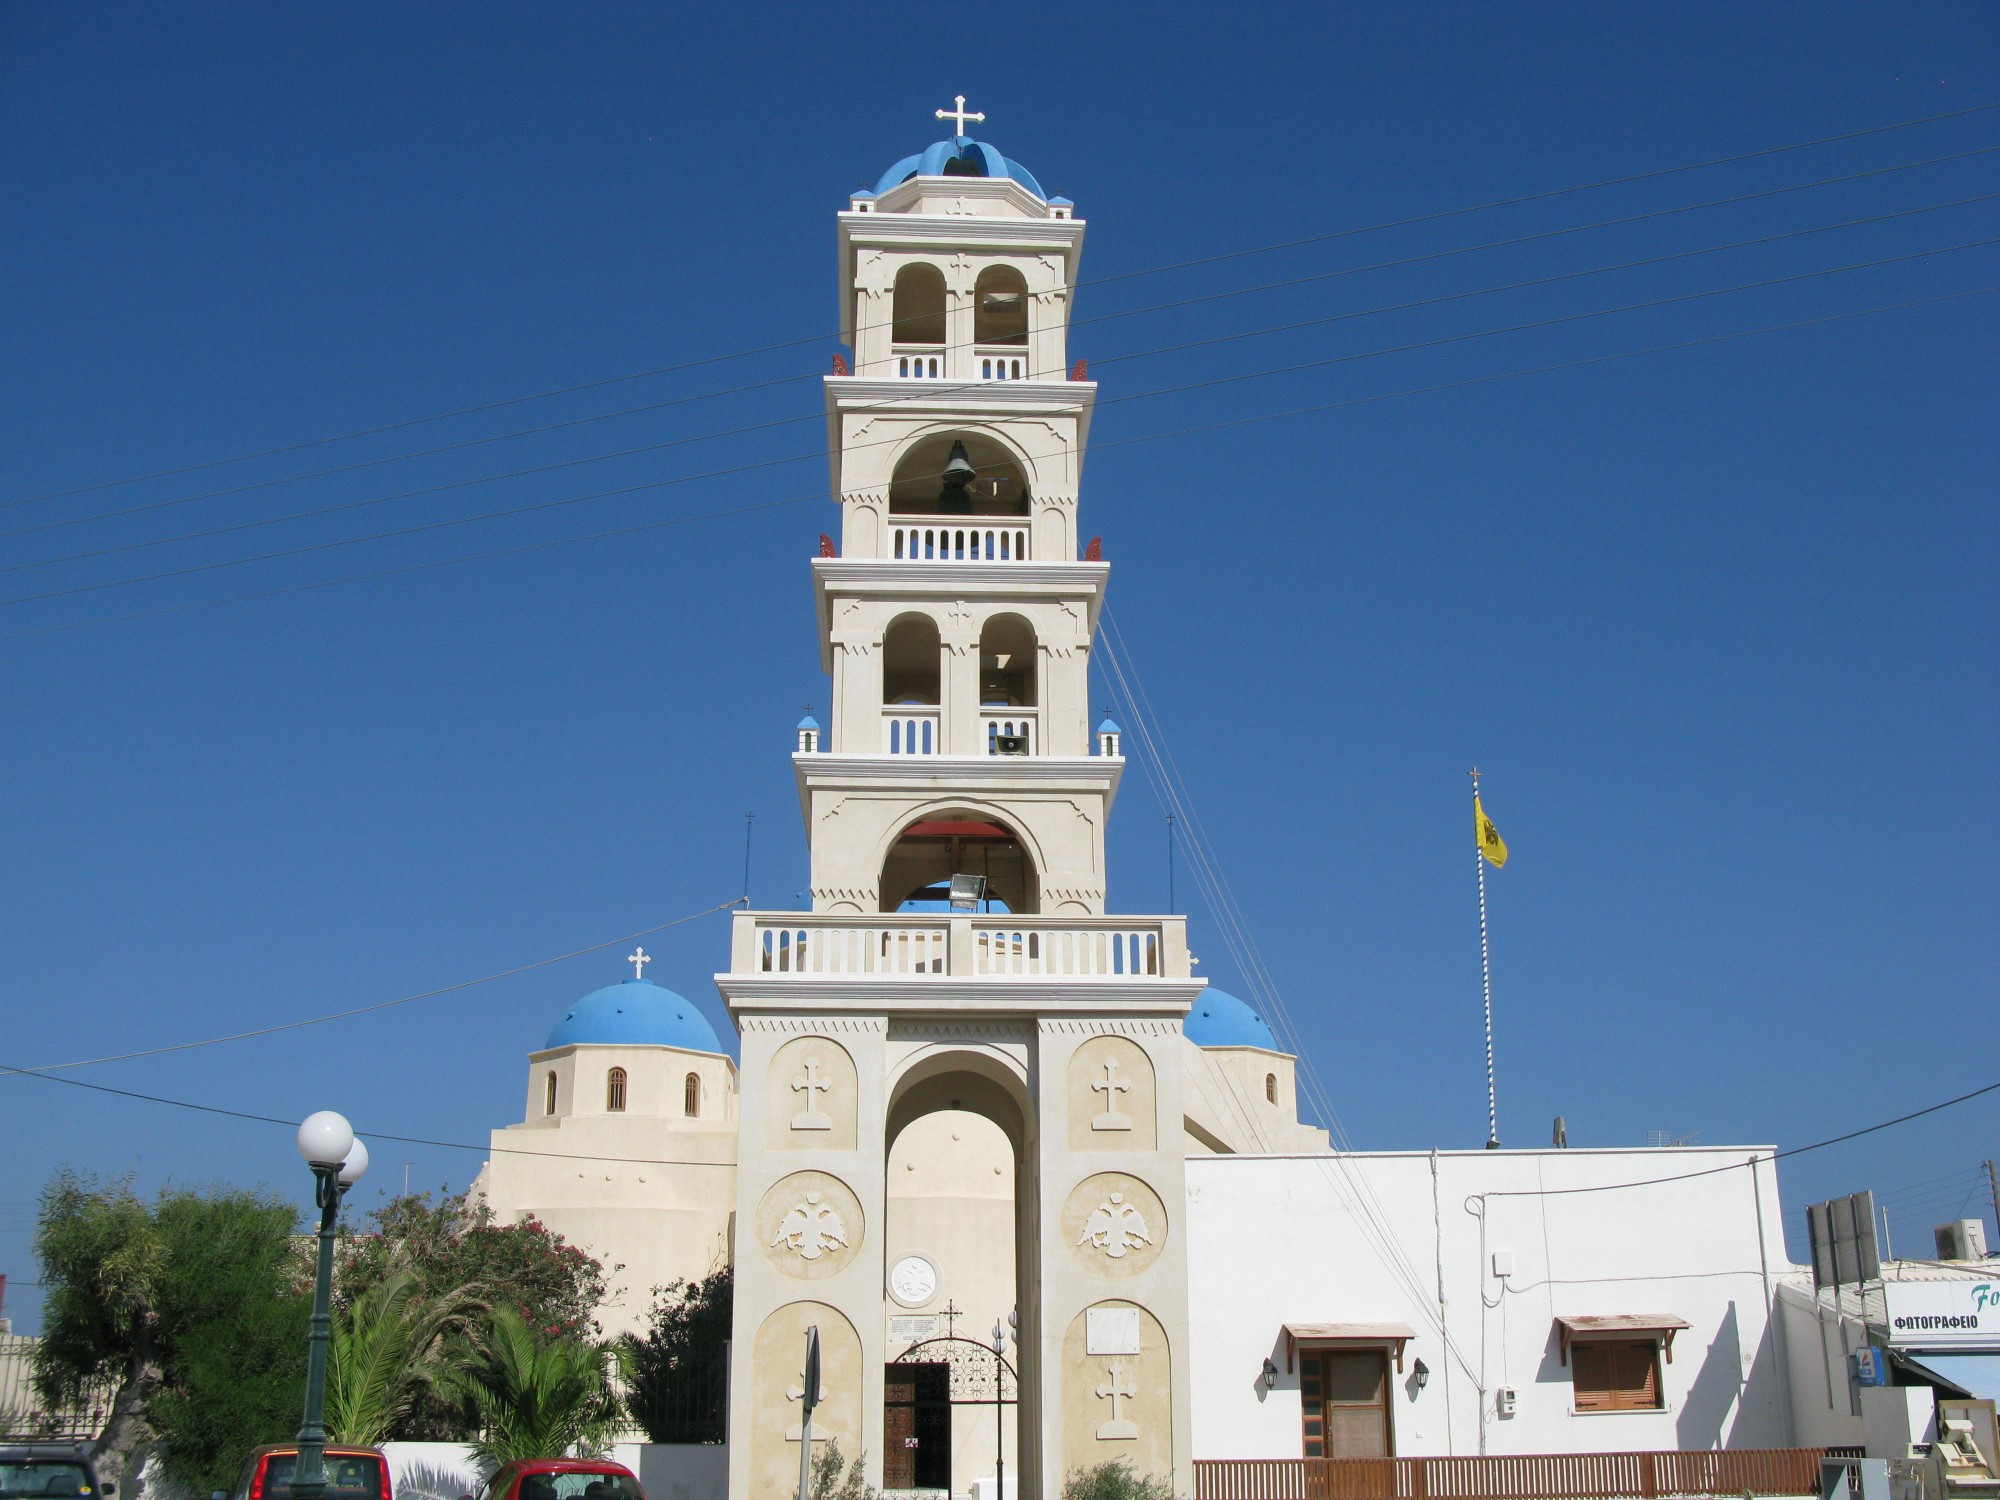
809,1082
1110,1086
1117,1390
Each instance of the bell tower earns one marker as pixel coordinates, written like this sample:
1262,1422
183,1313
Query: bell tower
958,955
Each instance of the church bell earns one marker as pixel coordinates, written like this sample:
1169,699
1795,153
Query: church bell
953,499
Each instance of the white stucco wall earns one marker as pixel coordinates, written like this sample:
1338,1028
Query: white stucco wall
1278,1239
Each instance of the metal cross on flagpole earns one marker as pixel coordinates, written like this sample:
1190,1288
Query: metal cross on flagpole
1486,974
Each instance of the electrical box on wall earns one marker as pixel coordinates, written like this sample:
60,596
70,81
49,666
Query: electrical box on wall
1503,1263
1503,1401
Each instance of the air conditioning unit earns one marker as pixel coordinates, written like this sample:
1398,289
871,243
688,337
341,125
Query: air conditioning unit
1964,1239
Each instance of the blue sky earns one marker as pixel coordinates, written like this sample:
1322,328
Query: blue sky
1717,623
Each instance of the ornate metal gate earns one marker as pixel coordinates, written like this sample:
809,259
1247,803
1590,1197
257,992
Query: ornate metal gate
923,1384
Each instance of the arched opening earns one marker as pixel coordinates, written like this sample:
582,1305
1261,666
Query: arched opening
614,1090
955,1236
912,686
1007,663
1000,307
549,1093
1271,1088
918,310
691,1096
984,481
916,875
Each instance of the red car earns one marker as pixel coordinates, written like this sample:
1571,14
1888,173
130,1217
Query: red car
351,1474
561,1479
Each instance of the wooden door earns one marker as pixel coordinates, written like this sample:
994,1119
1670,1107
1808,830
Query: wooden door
1344,1403
899,1428
916,1427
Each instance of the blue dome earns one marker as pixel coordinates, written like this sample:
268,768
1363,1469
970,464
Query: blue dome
636,1013
963,157
1219,1019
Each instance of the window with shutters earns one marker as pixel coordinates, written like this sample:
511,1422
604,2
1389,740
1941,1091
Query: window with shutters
1344,1403
691,1096
1616,1374
549,1094
614,1090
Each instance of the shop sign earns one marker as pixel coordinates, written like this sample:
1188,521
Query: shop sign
1939,1314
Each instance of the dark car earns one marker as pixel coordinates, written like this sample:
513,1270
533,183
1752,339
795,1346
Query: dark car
351,1473
47,1471
561,1479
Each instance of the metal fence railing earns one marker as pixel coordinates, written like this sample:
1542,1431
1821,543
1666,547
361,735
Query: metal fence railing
1528,1476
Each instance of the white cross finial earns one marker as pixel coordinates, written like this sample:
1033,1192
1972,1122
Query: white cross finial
961,115
639,959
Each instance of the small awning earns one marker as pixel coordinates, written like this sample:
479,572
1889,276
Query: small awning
1383,1334
1665,1325
1975,1375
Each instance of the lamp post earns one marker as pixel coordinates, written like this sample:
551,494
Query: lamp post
1000,1400
999,1405
337,1160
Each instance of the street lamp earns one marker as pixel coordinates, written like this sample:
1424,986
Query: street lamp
1000,1400
337,1160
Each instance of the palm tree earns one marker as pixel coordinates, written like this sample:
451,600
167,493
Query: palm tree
387,1351
536,1398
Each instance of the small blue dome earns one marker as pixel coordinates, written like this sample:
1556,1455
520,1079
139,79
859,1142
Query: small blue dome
636,1013
963,157
1219,1019
1109,726
809,722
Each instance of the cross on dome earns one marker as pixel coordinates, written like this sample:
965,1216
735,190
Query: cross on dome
961,115
638,960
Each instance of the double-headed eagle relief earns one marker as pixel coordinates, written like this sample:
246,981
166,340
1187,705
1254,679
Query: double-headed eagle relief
812,1229
1115,1227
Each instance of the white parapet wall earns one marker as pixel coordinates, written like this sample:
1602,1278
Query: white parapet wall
1414,1239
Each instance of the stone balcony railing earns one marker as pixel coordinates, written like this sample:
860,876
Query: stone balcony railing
947,539
823,945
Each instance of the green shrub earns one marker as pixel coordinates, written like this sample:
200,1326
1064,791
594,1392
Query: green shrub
1115,1481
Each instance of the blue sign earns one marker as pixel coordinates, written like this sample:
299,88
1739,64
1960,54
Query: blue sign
1871,1366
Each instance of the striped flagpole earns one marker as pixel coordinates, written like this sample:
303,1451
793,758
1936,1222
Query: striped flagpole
1486,975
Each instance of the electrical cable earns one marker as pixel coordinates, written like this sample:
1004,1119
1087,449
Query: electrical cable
1430,217
1315,409
362,1010
1070,327
925,394
1206,384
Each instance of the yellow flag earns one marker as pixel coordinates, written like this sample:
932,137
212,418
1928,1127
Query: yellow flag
1490,843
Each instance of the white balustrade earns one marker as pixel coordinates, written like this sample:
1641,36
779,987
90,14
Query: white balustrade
925,363
1001,364
995,722
911,731
961,945
1075,952
936,540
820,949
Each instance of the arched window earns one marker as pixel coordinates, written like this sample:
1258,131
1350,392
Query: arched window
691,1096
1007,663
614,1090
1000,307
918,311
549,1093
1271,1087
912,661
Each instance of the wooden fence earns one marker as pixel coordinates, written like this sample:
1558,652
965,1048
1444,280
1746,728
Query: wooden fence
1532,1476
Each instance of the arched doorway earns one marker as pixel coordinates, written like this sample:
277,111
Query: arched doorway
955,1243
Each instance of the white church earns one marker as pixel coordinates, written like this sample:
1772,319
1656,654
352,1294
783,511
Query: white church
965,1094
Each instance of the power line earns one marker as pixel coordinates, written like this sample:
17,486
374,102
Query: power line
1312,410
925,394
362,1010
1070,327
1430,217
1208,383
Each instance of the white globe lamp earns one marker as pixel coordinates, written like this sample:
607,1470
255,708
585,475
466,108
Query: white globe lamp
325,1138
355,1163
